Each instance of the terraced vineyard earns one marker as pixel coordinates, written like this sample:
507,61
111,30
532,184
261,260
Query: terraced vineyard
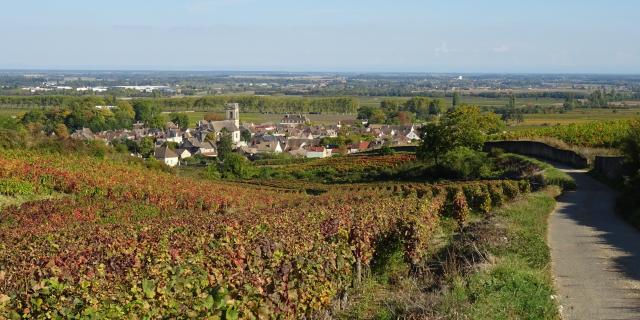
124,241
598,134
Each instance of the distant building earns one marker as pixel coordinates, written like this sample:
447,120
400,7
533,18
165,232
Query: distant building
232,124
166,155
294,120
183,153
106,107
318,152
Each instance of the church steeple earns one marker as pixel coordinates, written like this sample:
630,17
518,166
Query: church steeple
233,113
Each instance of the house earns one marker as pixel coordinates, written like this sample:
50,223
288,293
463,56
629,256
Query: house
318,152
359,147
413,134
166,155
174,135
294,120
204,148
272,146
183,153
294,145
85,134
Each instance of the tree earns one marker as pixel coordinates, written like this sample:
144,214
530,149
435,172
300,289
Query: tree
436,107
158,121
124,115
394,105
147,113
419,106
569,103
181,119
598,99
511,112
34,116
225,144
456,99
465,127
146,147
434,143
245,135
235,166
172,145
372,114
401,117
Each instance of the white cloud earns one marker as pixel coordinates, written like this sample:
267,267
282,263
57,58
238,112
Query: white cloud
501,49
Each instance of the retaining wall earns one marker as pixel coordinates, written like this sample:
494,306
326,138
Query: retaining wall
540,150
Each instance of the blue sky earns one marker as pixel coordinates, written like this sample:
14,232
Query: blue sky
540,36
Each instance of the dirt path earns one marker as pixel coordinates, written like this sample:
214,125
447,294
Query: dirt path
595,255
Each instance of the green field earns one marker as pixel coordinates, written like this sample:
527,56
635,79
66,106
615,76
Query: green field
479,101
12,112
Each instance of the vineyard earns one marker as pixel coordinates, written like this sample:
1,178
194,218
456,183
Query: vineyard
597,134
124,241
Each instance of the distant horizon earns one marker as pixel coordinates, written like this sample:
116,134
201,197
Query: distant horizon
309,71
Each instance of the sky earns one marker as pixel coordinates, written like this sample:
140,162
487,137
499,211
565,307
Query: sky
459,36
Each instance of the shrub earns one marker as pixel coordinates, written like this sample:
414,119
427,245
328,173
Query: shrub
386,150
511,189
465,163
460,207
497,195
235,166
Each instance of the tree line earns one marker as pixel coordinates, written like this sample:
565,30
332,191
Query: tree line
262,104
63,120
395,111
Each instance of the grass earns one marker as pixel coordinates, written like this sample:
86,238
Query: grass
390,290
550,175
17,200
517,284
495,268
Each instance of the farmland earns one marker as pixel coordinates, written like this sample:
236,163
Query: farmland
597,134
576,116
122,240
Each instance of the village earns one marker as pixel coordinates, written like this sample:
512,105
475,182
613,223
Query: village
295,135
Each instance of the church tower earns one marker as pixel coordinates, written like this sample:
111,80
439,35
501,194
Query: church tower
233,113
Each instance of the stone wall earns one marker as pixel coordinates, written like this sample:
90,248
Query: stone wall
540,150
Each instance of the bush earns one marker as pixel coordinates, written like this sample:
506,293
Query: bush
465,163
235,166
386,150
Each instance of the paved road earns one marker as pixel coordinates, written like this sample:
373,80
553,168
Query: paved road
595,255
